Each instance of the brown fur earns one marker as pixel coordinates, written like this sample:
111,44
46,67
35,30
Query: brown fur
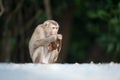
43,47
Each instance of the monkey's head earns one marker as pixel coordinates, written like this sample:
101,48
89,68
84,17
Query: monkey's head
51,27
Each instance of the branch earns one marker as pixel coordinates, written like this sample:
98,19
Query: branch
48,9
1,8
32,20
19,6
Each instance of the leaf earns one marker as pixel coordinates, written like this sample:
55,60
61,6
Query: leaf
102,14
114,21
118,47
119,5
91,14
110,47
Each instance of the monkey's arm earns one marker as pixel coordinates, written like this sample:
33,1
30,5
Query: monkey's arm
41,39
59,41
45,41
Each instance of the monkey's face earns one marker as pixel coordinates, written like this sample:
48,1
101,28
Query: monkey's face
52,29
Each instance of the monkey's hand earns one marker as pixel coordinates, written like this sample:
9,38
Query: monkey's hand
59,36
53,38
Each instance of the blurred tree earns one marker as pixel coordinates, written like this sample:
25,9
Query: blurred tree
48,8
98,30
19,20
90,28
1,8
16,25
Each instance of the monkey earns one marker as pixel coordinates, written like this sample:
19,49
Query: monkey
45,43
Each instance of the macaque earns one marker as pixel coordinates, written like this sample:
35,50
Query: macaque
45,43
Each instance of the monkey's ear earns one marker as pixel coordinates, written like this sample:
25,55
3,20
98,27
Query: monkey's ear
45,24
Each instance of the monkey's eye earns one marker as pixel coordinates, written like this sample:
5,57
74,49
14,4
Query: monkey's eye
53,27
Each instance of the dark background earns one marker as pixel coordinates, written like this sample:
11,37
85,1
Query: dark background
90,29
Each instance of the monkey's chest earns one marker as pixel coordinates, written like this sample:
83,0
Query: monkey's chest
52,46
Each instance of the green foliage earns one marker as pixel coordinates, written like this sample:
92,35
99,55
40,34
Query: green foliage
95,22
100,22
